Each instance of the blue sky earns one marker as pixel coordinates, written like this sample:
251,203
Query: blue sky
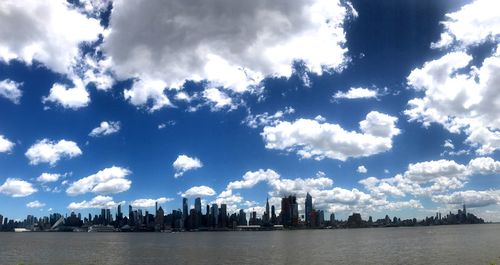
378,107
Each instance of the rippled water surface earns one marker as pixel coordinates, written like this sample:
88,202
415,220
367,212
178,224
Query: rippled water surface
464,244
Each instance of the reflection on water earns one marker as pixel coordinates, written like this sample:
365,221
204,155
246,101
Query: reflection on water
464,244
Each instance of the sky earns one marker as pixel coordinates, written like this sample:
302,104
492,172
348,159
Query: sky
378,107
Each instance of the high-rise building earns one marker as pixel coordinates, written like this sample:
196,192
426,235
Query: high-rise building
109,219
130,215
273,215
185,210
223,215
265,218
197,205
332,218
119,215
242,218
215,215
308,208
289,211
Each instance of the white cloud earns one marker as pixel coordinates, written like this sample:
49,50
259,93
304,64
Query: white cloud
107,181
218,99
17,188
461,102
105,128
379,124
94,68
10,90
148,92
35,204
484,165
5,145
313,139
466,27
232,45
320,187
471,198
98,202
264,119
362,169
47,151
448,144
251,179
425,171
185,163
55,44
461,96
356,93
198,191
48,177
164,125
431,177
71,98
145,203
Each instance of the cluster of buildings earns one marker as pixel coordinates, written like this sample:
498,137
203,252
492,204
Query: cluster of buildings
216,217
461,217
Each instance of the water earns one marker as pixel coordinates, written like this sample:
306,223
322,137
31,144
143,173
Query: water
464,244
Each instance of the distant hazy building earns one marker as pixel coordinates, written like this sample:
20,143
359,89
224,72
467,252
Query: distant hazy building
308,208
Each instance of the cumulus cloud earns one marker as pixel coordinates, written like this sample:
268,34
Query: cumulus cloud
48,177
107,181
185,163
484,165
145,203
319,140
48,151
146,91
448,144
252,178
232,45
105,128
362,169
10,90
471,198
325,196
98,202
466,28
55,44
17,188
5,144
35,204
356,93
431,177
69,97
218,99
198,191
461,96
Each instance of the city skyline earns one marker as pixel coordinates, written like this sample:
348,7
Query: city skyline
386,108
217,218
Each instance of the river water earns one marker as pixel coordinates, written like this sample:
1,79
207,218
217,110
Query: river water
460,244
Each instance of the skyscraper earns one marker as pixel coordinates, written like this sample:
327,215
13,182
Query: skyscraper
185,210
223,215
308,209
265,217
289,211
197,205
242,218
332,218
215,214
273,215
